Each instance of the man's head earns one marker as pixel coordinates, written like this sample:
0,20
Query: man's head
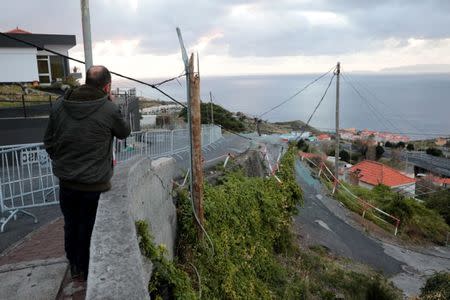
99,77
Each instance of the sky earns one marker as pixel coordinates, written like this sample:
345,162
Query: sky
234,37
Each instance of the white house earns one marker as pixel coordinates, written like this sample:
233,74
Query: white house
24,63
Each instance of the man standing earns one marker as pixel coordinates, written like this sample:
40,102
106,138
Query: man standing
79,139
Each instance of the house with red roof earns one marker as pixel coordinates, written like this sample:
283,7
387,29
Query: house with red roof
324,137
369,174
24,63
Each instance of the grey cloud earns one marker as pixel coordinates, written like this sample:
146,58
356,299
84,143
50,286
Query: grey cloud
369,23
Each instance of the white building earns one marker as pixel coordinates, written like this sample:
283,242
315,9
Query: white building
24,63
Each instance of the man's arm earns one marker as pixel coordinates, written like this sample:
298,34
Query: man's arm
120,127
48,138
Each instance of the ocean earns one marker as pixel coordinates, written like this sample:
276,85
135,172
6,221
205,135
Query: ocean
415,105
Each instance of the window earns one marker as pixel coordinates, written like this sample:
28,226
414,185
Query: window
43,66
44,79
56,67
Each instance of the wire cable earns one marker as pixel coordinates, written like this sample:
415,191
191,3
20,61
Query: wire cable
82,62
297,93
317,106
384,103
375,112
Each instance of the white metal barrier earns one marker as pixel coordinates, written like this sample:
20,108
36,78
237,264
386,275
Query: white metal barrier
27,180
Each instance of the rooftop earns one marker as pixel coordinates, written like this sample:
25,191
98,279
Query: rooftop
375,173
40,40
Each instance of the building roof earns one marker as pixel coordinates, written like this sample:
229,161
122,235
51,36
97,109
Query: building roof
40,40
310,155
375,173
18,30
323,136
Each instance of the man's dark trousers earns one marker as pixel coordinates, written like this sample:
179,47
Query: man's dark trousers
79,209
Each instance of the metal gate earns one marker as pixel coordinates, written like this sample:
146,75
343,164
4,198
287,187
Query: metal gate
27,180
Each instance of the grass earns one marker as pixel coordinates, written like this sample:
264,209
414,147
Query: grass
418,223
11,96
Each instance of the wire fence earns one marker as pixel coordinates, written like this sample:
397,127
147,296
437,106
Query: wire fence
27,179
25,105
366,208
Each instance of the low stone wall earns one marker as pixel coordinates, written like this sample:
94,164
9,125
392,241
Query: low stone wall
142,190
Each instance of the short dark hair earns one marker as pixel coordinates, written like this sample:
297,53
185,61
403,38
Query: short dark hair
98,76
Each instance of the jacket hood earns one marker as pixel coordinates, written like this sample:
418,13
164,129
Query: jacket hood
83,101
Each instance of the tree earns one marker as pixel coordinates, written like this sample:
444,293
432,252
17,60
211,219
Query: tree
388,144
400,145
302,145
222,117
410,147
435,152
379,150
344,155
439,201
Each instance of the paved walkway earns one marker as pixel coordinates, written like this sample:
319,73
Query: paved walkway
36,267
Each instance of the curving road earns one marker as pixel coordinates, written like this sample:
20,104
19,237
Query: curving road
326,222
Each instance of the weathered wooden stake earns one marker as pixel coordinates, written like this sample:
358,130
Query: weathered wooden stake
197,168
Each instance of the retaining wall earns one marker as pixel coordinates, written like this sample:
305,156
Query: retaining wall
142,190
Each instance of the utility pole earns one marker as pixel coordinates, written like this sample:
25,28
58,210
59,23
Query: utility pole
194,125
336,151
87,42
212,110
197,189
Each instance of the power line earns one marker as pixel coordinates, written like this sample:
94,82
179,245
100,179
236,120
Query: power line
375,112
82,62
384,103
318,104
297,93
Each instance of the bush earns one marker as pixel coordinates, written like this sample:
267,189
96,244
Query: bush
417,221
410,147
255,254
440,202
437,287
344,155
435,152
222,117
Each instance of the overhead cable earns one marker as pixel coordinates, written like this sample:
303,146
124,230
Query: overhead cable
154,86
317,106
297,93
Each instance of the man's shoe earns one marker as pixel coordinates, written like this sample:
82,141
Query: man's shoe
76,273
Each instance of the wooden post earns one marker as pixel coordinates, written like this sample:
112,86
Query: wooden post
336,150
23,104
197,168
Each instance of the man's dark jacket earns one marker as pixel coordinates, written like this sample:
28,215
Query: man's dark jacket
79,138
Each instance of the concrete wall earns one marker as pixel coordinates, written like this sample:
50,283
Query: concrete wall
18,65
141,191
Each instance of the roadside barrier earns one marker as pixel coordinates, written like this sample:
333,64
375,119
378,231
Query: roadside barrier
365,206
27,180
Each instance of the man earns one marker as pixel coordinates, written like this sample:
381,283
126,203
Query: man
79,139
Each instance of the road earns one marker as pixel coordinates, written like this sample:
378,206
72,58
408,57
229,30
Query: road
17,229
438,165
324,221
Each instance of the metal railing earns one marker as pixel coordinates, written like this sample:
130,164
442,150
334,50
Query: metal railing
27,180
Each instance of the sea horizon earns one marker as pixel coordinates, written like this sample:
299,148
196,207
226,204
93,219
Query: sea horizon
415,105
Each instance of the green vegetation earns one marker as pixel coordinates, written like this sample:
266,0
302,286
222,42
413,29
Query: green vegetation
222,117
418,222
302,145
410,147
255,256
437,287
440,202
167,277
435,152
